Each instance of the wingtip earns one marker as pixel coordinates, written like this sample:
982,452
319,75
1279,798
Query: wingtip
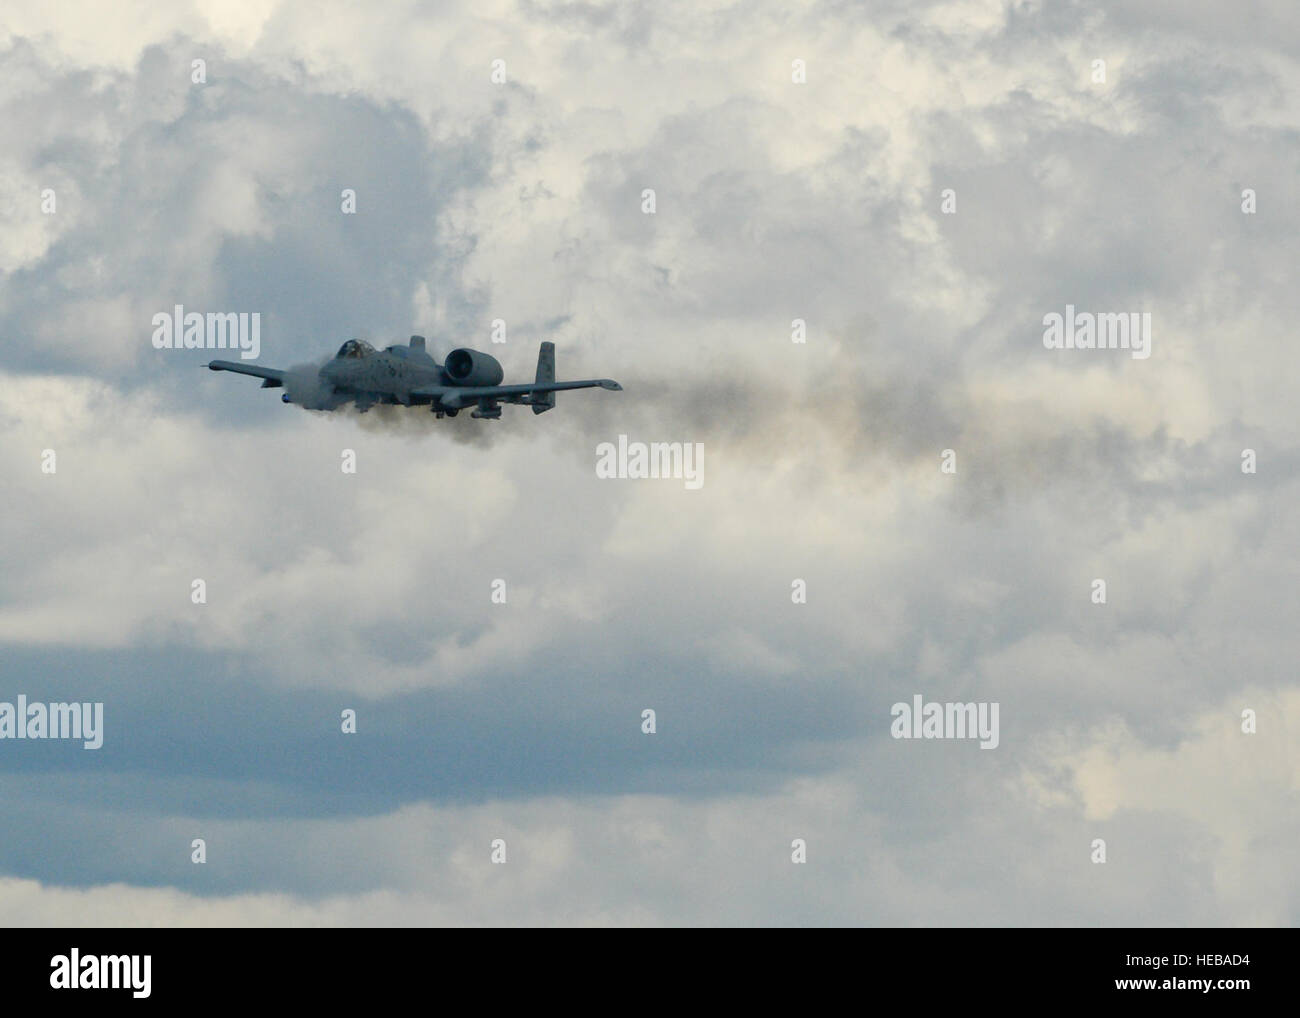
609,383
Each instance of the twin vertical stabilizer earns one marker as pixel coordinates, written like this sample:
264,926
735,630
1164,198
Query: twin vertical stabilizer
545,373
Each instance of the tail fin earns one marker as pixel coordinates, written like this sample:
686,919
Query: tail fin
543,401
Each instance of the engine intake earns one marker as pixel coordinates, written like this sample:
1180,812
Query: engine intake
470,367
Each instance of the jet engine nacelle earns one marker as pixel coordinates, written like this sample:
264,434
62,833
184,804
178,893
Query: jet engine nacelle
470,367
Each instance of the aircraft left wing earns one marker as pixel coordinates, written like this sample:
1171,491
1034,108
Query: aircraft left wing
273,377
463,395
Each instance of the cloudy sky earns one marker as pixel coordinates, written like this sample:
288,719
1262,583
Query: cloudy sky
775,200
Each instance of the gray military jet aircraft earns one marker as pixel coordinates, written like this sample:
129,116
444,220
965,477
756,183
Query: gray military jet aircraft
408,376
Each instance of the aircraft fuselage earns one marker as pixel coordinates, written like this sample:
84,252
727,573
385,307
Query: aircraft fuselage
408,376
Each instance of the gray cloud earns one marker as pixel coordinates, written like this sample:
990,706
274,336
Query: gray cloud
775,202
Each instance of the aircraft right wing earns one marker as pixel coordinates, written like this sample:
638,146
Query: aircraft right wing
273,377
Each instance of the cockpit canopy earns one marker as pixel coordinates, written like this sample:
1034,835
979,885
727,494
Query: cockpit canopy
355,348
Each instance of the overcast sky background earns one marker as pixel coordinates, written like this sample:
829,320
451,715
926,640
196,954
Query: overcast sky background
775,201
